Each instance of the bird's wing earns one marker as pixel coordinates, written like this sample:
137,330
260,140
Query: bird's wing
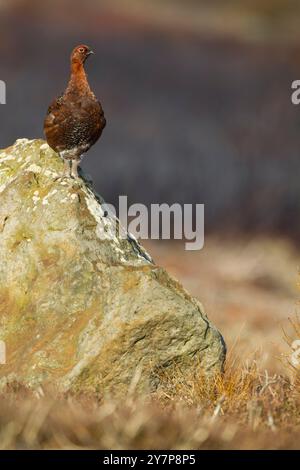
55,105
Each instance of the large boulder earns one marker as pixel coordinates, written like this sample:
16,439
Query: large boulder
81,308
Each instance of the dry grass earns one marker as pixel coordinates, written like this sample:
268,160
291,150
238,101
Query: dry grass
243,409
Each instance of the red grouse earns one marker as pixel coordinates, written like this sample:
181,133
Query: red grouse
75,120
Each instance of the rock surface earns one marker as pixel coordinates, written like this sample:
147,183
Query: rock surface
81,308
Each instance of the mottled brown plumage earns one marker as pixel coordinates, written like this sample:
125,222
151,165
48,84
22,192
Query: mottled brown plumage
75,120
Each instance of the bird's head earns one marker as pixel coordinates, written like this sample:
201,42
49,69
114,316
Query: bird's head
81,53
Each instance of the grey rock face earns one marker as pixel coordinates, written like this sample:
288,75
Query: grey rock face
81,308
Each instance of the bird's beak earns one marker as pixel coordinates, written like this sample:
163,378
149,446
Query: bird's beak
91,52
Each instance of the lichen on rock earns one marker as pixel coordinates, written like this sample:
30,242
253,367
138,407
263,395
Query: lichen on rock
82,308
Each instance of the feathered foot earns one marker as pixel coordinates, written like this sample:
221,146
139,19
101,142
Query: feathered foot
74,168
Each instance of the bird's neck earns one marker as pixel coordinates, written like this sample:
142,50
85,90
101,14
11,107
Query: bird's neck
78,79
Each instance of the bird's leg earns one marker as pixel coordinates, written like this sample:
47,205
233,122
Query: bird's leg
74,170
66,173
67,168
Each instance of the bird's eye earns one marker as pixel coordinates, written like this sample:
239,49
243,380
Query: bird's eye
81,49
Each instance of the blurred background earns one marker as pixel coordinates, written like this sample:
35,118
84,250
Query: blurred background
197,96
